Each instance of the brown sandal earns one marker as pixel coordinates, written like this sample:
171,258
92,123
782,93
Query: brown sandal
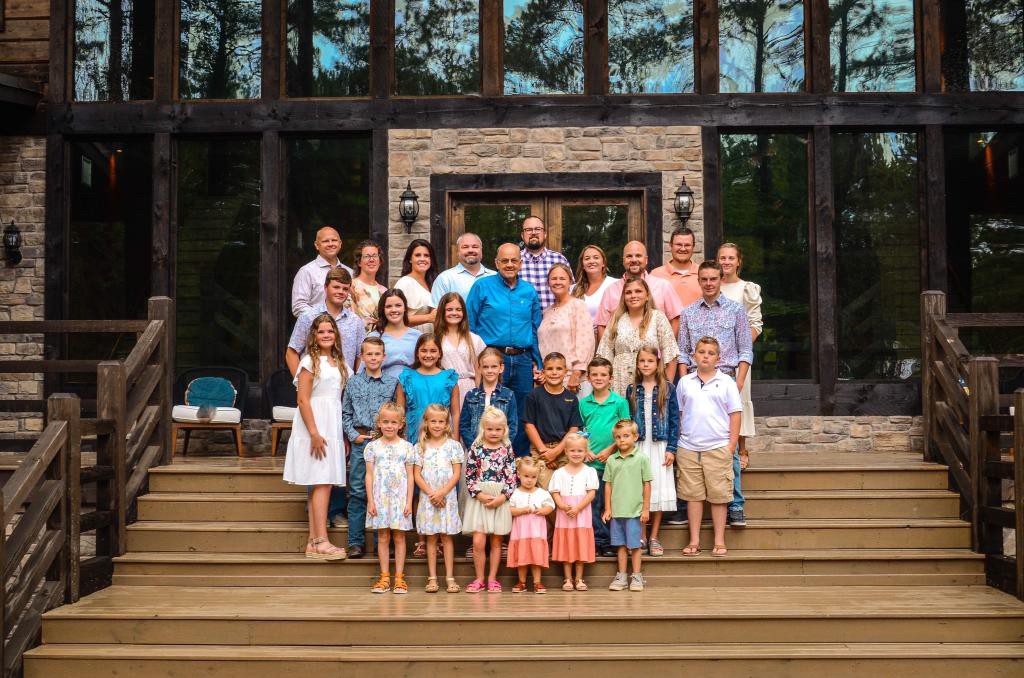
719,550
453,586
691,549
432,586
332,553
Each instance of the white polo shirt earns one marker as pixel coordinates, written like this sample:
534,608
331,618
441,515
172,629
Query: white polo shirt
704,410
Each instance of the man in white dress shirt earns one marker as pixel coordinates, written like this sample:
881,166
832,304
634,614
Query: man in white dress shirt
460,278
308,287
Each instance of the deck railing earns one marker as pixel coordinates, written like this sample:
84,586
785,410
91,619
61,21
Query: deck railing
968,427
42,560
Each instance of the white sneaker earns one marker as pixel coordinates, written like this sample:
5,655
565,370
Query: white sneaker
636,582
619,583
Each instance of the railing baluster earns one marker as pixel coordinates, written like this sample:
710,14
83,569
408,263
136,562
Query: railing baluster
983,380
1018,485
933,305
67,407
111,404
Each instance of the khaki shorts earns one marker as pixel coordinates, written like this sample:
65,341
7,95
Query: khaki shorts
704,476
544,477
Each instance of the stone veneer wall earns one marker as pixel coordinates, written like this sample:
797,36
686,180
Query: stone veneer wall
22,198
415,154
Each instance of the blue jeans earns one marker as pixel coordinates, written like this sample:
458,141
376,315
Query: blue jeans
519,378
737,493
357,496
602,537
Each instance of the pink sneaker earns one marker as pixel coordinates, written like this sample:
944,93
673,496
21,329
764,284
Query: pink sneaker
476,586
494,586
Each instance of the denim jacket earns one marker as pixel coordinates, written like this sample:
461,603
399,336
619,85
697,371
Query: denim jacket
473,407
666,428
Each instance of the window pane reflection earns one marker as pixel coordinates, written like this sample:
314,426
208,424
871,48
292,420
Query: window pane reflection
995,44
764,195
761,45
606,226
328,48
437,47
872,46
650,46
217,274
495,224
113,50
878,254
220,49
543,46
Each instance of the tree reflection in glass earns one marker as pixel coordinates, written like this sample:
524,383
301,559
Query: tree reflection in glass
113,50
543,46
437,47
878,253
220,49
995,44
761,45
650,46
328,48
872,45
764,197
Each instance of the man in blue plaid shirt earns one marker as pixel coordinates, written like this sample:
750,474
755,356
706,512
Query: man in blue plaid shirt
538,259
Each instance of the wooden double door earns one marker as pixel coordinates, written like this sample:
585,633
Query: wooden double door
573,219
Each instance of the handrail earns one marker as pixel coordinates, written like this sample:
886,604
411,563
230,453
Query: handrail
963,428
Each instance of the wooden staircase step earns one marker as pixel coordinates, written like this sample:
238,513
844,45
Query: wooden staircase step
895,567
291,506
332,616
719,660
276,537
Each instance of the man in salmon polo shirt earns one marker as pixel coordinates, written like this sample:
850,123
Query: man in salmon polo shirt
634,260
681,270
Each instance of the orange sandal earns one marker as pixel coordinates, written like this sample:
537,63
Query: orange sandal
400,585
383,584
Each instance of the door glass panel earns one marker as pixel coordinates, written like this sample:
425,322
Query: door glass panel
606,226
495,224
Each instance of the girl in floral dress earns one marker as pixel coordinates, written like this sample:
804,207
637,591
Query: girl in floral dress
490,480
389,479
437,466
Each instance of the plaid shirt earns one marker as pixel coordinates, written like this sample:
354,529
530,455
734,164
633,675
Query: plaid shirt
535,271
350,327
725,320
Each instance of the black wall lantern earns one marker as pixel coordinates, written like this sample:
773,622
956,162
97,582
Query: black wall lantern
12,244
408,207
683,203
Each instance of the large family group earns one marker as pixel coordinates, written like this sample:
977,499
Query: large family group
523,401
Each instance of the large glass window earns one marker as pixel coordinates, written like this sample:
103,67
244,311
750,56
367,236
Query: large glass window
995,44
220,49
217,273
113,50
878,252
543,46
761,45
650,46
328,184
764,195
328,48
110,239
872,45
437,47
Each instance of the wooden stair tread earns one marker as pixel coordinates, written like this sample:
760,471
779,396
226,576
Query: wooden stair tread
338,604
506,652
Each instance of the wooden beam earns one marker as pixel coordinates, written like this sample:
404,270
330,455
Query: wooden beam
983,380
163,198
817,67
55,288
379,209
270,47
59,82
492,48
166,54
162,308
270,274
711,146
595,47
934,203
933,305
929,41
705,57
823,265
111,404
382,48
66,407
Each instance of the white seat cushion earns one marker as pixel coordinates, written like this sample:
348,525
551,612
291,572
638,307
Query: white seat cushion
282,413
222,415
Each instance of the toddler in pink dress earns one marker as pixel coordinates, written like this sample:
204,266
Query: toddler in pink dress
528,544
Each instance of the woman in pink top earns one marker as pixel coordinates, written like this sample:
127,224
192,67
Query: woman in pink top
566,327
460,348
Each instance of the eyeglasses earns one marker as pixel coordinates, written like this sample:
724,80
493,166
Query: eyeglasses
534,229
368,257
502,262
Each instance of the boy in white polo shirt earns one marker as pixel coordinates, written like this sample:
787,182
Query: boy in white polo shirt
710,408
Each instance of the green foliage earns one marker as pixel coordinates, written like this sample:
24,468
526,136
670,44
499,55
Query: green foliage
544,47
995,44
437,47
328,48
762,45
872,45
650,46
220,49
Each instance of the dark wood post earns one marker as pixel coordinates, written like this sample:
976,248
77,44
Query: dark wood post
111,405
823,248
162,308
595,47
492,48
711,187
67,407
705,62
983,380
1018,485
271,285
933,305
382,48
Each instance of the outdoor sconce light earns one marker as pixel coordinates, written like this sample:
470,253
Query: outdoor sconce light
12,244
683,204
408,207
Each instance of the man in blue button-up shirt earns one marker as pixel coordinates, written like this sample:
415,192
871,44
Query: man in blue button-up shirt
505,311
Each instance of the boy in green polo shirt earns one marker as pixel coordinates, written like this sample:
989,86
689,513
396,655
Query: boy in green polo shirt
600,411
627,477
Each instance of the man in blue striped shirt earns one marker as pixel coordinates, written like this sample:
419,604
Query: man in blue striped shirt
505,311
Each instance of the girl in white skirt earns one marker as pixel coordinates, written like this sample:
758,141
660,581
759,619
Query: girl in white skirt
316,451
490,481
652,400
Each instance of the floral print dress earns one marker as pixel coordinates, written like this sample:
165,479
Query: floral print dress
436,468
390,483
628,342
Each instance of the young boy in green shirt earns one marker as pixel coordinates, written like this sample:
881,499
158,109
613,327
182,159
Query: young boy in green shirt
627,477
600,410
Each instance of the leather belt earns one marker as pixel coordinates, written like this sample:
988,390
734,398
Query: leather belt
511,350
